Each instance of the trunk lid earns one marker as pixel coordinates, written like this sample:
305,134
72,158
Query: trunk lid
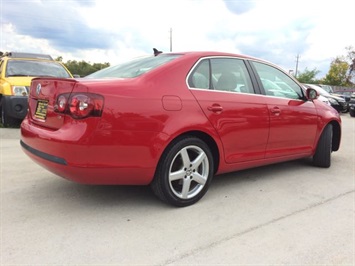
42,100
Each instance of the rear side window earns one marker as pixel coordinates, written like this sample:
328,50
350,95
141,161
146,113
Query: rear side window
277,83
221,74
133,68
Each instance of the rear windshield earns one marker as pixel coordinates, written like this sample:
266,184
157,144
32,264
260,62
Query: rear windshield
32,68
133,68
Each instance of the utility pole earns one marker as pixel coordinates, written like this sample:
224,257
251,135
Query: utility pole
297,59
171,39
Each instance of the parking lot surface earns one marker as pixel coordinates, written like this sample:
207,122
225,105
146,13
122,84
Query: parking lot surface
290,213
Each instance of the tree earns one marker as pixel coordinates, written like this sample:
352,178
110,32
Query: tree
337,74
308,76
59,59
342,70
351,60
82,68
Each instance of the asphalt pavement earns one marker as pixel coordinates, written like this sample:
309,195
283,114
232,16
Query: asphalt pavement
286,214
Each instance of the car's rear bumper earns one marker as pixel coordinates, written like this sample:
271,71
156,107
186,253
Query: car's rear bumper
75,155
87,175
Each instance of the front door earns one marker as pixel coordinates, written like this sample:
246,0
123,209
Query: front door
293,120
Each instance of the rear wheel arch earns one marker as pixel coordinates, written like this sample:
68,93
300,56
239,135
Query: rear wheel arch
205,138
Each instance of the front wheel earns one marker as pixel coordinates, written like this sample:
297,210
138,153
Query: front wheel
184,172
322,156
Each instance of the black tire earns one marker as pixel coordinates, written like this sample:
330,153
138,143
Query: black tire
184,172
6,120
322,156
352,113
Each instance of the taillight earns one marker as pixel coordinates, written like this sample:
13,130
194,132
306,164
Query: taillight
80,105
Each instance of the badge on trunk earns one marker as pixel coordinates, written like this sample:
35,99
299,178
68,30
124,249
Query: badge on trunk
38,89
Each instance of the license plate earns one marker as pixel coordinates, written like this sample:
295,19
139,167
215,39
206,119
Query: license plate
41,109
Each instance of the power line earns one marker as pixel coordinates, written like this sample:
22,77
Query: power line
297,59
171,39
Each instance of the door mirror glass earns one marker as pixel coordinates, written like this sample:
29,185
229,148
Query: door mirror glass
312,94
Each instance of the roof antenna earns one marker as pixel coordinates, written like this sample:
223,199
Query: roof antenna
156,51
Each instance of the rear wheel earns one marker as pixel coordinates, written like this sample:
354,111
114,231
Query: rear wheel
352,113
184,172
322,156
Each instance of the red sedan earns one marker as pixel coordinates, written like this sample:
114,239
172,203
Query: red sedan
175,120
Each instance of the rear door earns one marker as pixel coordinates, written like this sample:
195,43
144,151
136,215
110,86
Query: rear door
293,120
226,94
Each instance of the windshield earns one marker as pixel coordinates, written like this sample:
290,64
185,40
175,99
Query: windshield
321,91
33,68
327,88
133,68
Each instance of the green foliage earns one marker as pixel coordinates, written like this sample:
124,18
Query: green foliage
337,74
82,68
342,70
351,60
308,76
59,58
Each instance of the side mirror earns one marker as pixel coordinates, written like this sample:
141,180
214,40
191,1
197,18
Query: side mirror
311,94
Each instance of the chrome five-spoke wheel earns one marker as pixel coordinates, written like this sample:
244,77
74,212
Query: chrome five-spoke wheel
188,172
184,172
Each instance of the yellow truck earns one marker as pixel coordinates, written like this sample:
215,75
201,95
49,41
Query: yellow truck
16,73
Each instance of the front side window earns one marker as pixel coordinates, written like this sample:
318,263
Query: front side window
277,83
33,68
221,74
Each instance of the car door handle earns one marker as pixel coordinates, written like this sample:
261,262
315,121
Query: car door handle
215,108
275,111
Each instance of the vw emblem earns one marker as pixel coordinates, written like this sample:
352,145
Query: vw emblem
38,89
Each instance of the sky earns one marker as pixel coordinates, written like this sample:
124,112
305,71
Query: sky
292,34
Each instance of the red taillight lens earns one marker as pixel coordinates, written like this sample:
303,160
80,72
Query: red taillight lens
80,105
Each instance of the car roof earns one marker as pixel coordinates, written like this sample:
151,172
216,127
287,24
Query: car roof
27,55
206,54
212,53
